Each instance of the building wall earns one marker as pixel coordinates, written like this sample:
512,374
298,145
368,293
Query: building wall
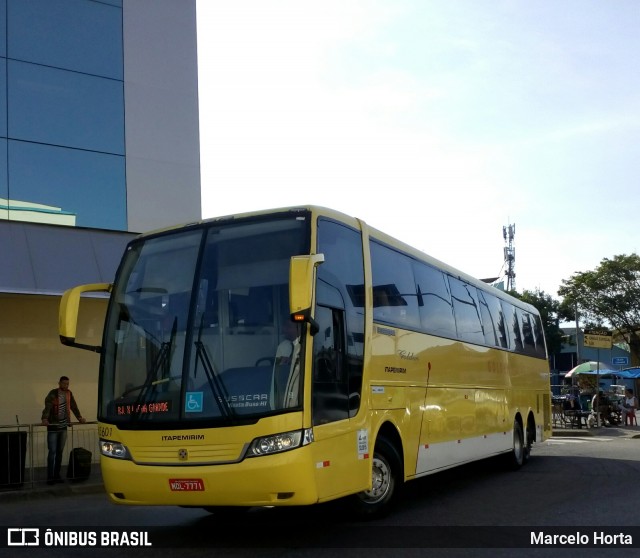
32,359
161,95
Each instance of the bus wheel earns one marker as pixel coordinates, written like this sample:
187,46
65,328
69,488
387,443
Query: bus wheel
528,443
515,458
386,477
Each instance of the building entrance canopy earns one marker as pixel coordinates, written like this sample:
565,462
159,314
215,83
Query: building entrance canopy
49,259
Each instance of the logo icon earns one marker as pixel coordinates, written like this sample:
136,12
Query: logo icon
23,537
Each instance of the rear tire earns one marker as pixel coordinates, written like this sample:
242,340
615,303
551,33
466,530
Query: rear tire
516,458
528,443
387,480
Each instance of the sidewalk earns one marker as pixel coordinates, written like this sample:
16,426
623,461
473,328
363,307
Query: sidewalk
37,490
619,431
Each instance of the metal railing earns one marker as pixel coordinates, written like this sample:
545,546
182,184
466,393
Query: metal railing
23,452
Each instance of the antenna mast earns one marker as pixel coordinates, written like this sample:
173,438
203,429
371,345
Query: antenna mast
509,232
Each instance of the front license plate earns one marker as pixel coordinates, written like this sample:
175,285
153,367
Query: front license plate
186,485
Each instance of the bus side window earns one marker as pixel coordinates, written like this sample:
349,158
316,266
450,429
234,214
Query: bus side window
466,311
497,315
434,301
489,323
528,340
541,349
395,299
513,326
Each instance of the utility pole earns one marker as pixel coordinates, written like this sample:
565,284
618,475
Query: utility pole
509,232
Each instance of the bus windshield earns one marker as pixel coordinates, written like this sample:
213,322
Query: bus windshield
198,329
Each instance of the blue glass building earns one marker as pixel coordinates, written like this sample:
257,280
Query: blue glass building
99,139
98,113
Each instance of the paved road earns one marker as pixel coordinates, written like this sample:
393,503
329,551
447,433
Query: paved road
573,482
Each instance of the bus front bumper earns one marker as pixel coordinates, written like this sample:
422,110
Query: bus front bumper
273,480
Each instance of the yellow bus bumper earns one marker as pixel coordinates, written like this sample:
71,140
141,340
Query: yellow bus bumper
274,480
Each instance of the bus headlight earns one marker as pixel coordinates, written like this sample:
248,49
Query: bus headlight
280,442
114,449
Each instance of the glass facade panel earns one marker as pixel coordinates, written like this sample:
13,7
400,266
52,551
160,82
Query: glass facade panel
73,34
3,97
89,185
4,184
3,27
58,107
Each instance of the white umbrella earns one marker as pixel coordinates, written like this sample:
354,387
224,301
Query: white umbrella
590,367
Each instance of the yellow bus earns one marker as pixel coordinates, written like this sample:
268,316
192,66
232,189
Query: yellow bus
297,356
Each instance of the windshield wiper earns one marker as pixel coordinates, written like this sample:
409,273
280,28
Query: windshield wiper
161,362
218,389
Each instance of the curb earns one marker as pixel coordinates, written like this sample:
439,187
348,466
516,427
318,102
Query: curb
572,432
618,432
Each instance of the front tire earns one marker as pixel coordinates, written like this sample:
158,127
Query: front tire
387,479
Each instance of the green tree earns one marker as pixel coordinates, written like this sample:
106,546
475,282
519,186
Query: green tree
610,294
549,309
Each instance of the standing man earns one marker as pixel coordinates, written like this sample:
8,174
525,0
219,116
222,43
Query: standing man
56,416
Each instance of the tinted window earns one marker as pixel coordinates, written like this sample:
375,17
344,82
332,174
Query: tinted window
491,336
538,332
511,320
498,326
394,289
467,311
434,301
526,323
330,387
341,286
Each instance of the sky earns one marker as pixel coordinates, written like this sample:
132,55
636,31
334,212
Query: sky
437,121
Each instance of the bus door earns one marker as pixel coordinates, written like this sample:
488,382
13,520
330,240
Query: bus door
341,450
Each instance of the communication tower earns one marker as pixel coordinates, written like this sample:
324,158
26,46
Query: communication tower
509,232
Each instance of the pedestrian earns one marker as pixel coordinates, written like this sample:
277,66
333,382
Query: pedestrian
628,405
56,416
600,406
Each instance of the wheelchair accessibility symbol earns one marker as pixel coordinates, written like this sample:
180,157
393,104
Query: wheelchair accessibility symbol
193,403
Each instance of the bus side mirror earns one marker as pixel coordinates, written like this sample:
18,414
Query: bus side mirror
68,315
301,282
